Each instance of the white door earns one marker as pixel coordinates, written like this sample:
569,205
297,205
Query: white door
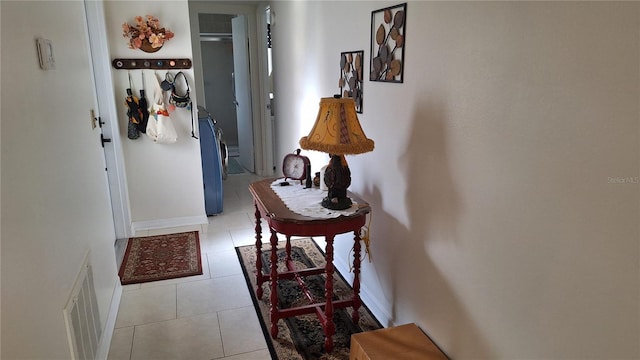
242,91
108,118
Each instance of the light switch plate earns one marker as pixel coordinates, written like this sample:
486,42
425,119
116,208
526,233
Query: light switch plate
45,54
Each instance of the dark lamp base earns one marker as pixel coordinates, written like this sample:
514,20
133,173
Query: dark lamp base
337,203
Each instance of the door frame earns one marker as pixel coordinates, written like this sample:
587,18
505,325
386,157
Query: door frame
107,114
261,114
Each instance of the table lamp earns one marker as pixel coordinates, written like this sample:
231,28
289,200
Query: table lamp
337,132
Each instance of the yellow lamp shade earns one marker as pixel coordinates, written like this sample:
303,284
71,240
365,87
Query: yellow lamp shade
337,129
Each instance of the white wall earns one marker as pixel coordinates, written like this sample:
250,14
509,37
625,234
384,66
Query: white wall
164,180
500,223
55,205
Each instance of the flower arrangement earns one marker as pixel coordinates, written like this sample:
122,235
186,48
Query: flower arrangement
146,31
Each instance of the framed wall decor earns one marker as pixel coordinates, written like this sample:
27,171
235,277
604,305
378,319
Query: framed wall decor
351,79
388,40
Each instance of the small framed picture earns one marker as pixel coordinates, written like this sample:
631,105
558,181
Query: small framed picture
351,80
388,40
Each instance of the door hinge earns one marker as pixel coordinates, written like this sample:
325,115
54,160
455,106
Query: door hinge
93,119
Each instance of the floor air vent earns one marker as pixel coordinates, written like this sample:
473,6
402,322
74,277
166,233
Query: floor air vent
82,317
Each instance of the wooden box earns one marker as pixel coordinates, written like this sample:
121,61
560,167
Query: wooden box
405,342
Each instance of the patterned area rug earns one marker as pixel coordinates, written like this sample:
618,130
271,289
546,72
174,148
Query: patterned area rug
161,257
301,337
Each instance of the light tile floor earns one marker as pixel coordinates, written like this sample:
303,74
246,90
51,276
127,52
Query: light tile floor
209,316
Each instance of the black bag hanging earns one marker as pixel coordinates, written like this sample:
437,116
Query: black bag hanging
143,108
133,113
181,101
133,132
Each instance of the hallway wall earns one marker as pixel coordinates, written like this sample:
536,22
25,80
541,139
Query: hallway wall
504,183
164,180
55,201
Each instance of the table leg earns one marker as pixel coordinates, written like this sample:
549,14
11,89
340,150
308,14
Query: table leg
288,248
273,307
328,311
258,229
355,316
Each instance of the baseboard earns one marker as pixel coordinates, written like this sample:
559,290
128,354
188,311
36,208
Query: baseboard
377,308
107,335
168,223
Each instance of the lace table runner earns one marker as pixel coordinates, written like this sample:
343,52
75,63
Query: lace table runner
307,202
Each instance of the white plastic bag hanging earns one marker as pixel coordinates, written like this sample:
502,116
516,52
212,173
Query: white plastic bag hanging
160,127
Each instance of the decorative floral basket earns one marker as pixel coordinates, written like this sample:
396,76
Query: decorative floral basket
146,34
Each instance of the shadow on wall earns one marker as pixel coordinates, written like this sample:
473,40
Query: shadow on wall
432,202
407,272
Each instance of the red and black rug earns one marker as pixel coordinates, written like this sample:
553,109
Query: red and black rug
161,257
301,337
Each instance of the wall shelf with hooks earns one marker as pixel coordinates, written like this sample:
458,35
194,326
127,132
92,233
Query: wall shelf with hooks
154,64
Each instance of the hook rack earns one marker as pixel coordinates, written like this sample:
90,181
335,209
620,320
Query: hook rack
155,64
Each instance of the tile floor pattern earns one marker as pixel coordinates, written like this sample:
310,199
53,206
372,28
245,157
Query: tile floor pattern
209,316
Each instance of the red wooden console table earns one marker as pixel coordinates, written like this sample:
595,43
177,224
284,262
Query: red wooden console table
281,220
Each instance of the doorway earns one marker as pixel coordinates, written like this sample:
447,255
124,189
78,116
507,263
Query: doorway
106,118
218,75
219,81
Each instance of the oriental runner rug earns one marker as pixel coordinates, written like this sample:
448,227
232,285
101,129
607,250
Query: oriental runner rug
161,257
301,337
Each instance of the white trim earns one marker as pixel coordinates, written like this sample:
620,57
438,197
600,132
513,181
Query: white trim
107,334
103,83
377,308
168,223
265,158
